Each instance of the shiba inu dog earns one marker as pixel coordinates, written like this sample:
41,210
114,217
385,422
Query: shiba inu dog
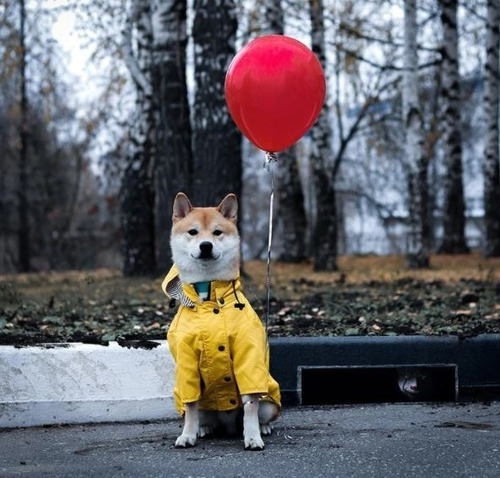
216,338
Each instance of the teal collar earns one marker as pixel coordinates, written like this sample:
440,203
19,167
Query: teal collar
202,289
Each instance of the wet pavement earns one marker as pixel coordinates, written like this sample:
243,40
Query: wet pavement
393,440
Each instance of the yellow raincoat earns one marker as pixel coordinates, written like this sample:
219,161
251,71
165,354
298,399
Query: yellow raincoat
219,346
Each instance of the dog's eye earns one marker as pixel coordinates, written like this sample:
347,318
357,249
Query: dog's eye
217,232
192,232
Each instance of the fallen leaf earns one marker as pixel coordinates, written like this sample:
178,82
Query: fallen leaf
461,312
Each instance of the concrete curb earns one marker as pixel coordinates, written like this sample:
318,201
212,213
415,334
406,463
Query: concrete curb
82,383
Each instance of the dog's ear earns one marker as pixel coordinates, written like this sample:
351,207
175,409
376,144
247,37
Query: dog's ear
229,207
182,207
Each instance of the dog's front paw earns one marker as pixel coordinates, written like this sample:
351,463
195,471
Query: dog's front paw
185,441
254,443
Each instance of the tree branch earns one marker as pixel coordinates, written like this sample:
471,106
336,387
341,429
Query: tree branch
379,207
128,55
344,142
386,67
358,34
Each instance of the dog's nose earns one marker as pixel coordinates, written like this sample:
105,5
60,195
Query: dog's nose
206,248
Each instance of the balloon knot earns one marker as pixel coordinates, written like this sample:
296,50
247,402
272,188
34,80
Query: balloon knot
270,159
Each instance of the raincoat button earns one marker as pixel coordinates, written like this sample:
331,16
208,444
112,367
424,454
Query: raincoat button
222,348
232,401
216,310
222,301
227,379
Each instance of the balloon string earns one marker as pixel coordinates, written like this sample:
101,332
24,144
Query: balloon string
268,164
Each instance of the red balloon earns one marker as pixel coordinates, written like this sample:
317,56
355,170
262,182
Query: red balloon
275,89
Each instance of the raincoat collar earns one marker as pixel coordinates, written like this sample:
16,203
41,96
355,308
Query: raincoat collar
186,294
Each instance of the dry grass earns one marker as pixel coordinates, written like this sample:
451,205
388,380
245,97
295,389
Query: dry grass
360,269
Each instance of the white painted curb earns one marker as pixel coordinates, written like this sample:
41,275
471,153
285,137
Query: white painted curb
83,383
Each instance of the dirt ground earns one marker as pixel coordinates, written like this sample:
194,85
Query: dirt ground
371,295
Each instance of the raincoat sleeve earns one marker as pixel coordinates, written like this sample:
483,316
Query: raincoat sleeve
186,358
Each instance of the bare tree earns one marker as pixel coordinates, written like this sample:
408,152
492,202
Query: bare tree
24,246
173,166
325,235
40,158
454,203
418,235
326,158
216,139
491,105
137,188
159,158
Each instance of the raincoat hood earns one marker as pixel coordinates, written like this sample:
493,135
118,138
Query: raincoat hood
219,345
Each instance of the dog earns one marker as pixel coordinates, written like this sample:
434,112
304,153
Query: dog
216,338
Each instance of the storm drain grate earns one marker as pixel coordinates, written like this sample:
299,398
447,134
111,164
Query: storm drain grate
377,384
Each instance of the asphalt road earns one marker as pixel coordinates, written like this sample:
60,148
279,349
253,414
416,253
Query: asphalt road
398,440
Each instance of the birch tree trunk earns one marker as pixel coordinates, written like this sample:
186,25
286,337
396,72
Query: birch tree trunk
23,239
454,204
491,105
417,255
216,139
137,190
290,224
324,241
173,164
274,17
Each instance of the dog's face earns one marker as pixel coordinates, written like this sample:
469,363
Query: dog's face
204,241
